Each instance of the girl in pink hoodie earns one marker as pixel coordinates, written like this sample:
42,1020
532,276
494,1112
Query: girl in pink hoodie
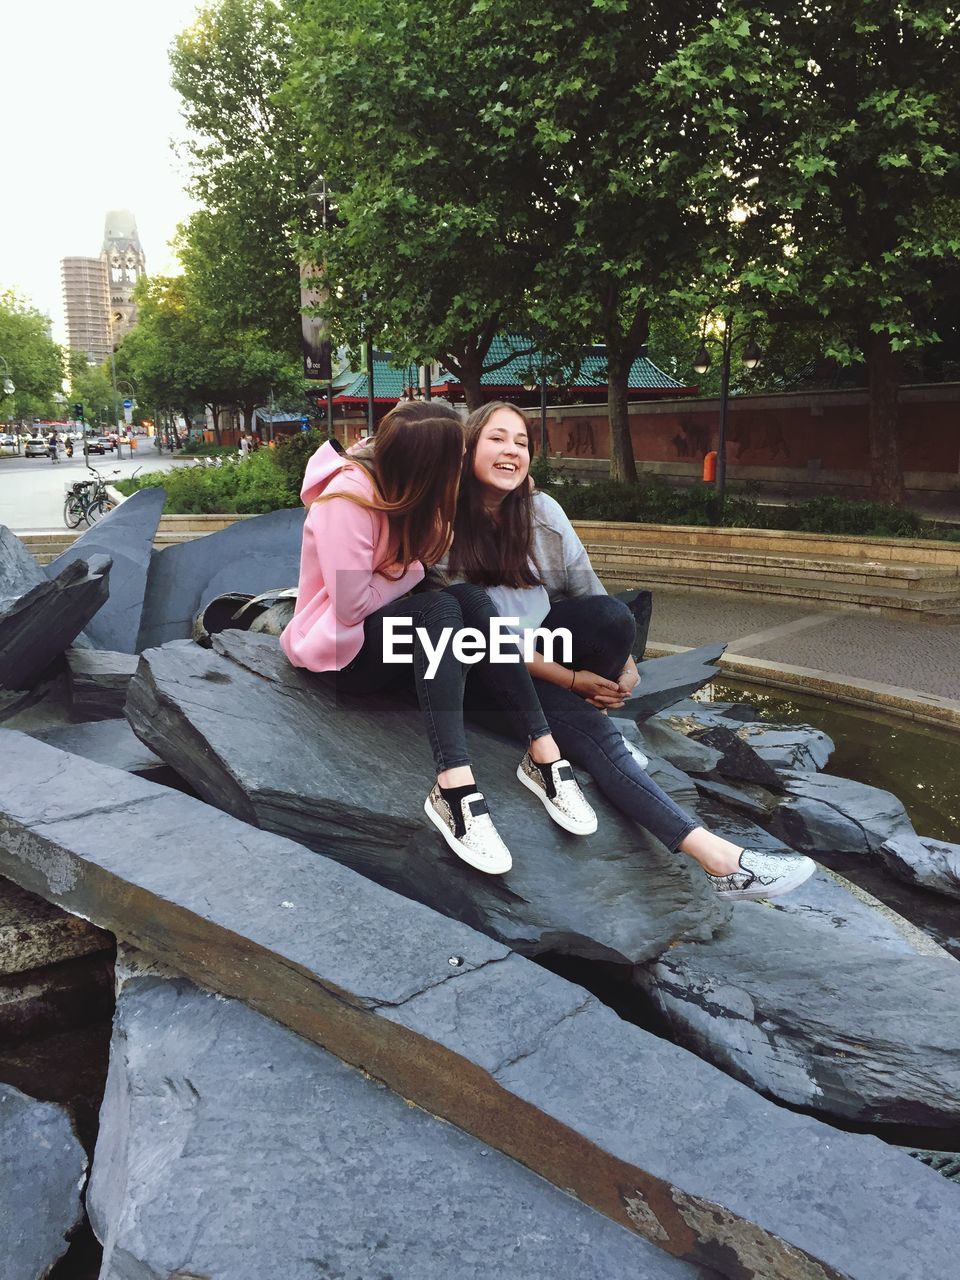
375,519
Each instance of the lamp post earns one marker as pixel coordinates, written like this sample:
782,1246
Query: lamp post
752,356
132,393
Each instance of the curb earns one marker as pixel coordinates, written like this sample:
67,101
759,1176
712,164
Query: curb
911,704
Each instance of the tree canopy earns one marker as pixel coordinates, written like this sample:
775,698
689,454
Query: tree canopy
31,359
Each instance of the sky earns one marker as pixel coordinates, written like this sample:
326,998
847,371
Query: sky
89,116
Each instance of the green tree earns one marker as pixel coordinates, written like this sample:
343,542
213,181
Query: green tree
91,386
439,223
35,362
248,166
850,161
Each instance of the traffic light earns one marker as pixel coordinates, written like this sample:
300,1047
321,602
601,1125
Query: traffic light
78,412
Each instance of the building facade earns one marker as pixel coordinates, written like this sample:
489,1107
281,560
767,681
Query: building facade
98,292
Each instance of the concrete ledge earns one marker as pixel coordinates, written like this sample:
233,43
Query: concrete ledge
926,708
531,1064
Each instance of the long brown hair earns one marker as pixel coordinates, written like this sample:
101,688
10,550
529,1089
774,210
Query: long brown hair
486,551
414,464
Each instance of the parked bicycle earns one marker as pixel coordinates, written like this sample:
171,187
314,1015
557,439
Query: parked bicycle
88,500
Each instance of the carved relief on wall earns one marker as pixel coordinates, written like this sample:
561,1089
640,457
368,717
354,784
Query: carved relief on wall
580,442
767,439
693,440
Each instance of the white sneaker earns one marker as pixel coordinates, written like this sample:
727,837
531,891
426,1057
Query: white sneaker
471,834
559,793
764,875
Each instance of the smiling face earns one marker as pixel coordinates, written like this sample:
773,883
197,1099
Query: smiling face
502,457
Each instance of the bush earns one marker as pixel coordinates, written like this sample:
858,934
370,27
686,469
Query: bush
652,501
196,448
232,488
856,518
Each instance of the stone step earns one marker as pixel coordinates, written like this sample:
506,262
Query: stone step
837,594
907,577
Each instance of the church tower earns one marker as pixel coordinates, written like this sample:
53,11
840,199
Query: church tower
124,264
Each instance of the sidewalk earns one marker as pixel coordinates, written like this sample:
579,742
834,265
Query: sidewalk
862,646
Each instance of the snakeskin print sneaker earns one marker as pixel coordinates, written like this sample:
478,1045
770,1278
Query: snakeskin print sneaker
764,875
557,788
471,833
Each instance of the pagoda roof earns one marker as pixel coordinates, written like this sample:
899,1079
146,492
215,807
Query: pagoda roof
389,382
522,363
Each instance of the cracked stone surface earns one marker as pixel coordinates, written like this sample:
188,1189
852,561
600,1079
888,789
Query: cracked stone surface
617,895
41,1176
664,681
819,1018
125,535
251,556
634,1126
98,682
37,626
821,812
305,1167
932,864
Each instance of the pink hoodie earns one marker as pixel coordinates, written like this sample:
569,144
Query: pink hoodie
339,585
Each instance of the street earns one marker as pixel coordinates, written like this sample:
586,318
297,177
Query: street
32,489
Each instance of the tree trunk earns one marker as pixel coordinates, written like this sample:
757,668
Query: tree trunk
883,416
247,410
623,465
471,369
215,411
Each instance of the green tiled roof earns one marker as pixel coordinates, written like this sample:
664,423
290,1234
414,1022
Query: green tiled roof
644,374
388,381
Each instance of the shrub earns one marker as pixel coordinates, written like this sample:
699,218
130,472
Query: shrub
652,501
855,517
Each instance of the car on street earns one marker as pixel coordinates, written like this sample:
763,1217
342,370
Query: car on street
98,444
7,441
35,447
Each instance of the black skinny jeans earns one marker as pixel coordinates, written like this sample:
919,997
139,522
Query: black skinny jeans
441,696
603,631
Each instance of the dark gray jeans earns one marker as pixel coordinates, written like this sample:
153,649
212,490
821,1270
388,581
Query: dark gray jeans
602,629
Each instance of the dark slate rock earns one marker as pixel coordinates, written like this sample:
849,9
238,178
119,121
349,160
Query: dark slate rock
98,682
126,536
251,556
13,701
745,797
795,746
932,864
110,742
664,681
41,1176
640,604
618,895
38,626
681,750
307,1168
59,998
741,712
704,714
699,1167
737,760
820,1019
19,571
836,815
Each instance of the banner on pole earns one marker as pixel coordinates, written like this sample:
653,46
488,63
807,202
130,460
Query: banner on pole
315,330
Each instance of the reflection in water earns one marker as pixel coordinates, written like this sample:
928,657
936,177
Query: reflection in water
918,763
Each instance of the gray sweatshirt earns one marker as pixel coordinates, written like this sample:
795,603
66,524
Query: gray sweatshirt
559,558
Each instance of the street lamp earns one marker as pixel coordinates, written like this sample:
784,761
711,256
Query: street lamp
751,358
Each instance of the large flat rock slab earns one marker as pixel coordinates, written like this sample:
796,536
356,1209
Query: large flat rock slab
41,1176
930,864
347,777
526,1062
825,813
251,556
125,535
37,626
665,681
110,742
827,1020
304,1167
